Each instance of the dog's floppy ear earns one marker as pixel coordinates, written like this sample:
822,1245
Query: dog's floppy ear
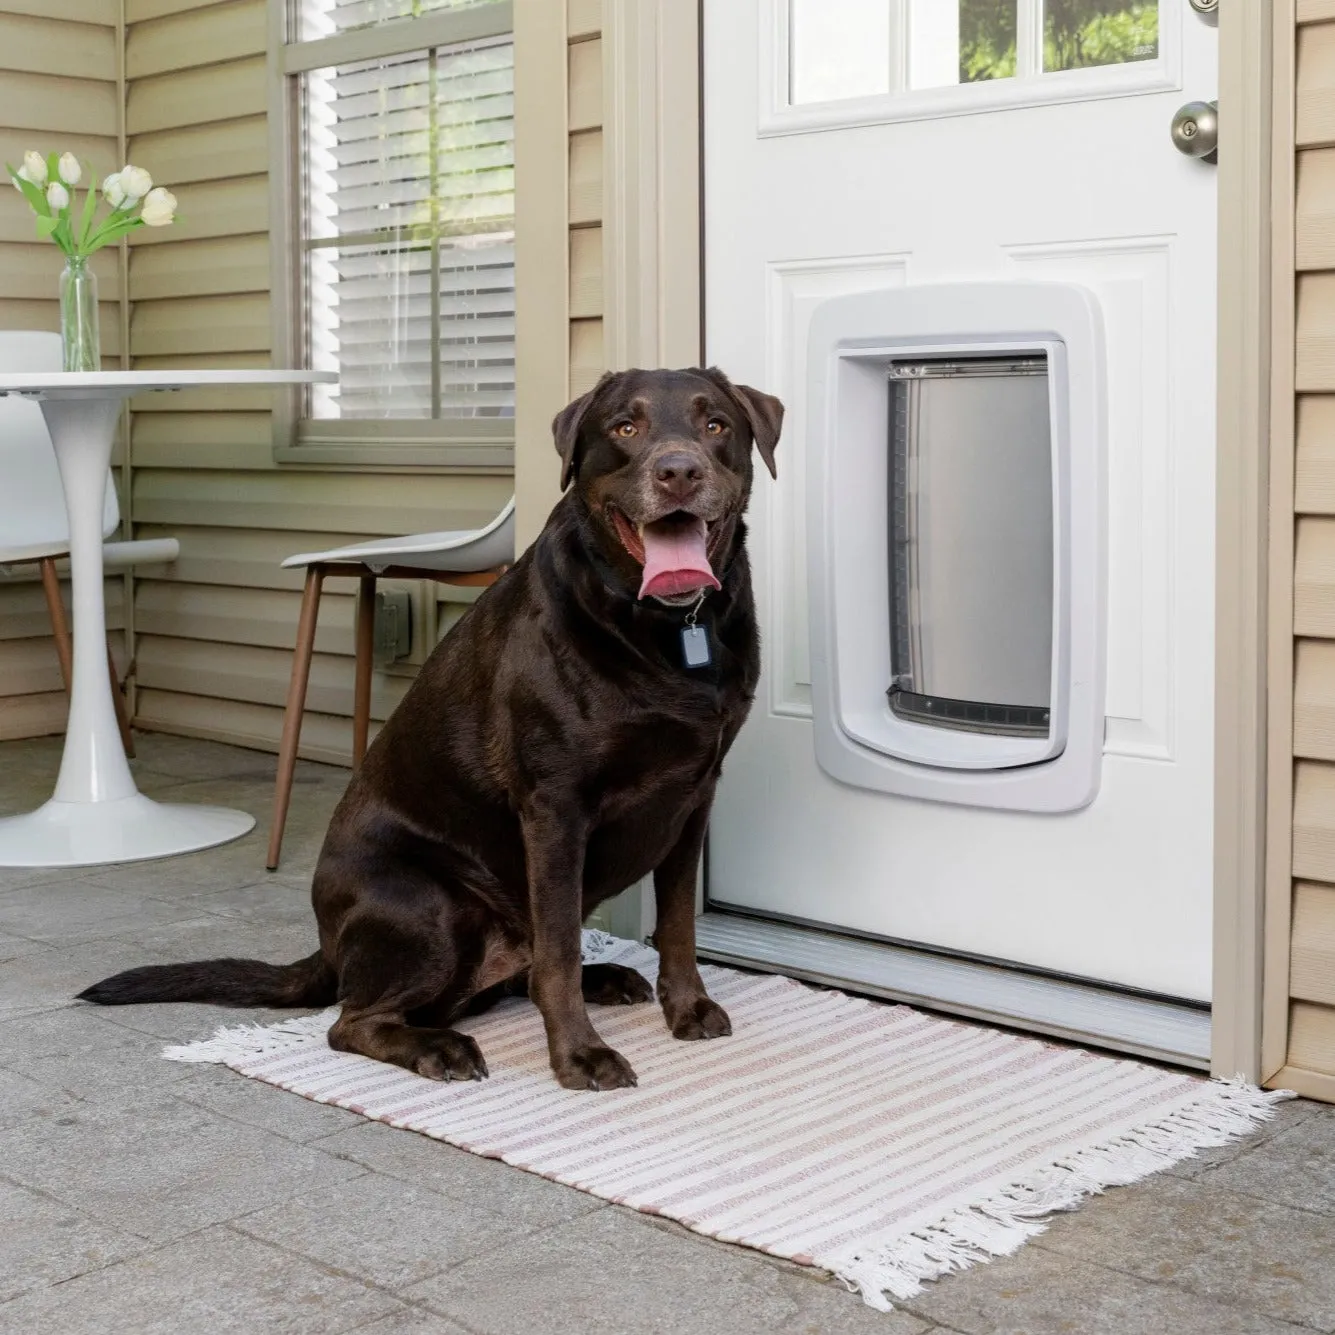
763,412
565,429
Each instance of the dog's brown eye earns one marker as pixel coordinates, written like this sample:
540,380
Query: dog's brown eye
625,429
714,427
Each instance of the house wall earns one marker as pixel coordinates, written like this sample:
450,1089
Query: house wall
59,90
184,95
584,130
214,632
559,254
1309,1050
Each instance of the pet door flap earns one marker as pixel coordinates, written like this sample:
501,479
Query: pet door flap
971,552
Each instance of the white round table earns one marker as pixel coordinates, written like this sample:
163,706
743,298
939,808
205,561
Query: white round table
97,815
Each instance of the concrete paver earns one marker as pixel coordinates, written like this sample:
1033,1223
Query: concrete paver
150,1198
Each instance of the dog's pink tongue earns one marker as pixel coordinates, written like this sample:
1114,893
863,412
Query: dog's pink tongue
675,559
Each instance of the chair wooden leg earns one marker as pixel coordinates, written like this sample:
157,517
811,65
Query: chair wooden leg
296,705
118,700
361,691
59,626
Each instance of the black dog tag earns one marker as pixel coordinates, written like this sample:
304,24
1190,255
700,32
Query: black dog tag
695,651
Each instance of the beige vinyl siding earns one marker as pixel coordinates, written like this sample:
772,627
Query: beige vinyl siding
1311,1039
560,163
1312,971
585,194
58,92
214,632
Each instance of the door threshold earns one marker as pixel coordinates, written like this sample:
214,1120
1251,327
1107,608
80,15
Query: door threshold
1080,1012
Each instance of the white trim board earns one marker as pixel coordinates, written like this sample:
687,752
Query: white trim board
1146,1027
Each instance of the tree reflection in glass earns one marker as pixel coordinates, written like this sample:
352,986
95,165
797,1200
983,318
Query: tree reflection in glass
1077,34
1080,34
987,40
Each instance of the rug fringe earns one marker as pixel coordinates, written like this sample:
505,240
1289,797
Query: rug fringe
243,1042
1001,1224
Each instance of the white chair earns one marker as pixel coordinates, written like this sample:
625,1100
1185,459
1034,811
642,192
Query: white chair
33,526
468,557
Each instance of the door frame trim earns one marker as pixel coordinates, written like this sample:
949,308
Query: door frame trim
1255,176
1242,814
1278,885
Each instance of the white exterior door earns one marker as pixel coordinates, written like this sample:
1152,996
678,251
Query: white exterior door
853,145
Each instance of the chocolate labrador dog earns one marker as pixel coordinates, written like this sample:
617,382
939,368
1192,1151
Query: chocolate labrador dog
562,741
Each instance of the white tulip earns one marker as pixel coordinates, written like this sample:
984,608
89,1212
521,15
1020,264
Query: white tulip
34,167
69,168
57,197
136,183
159,207
114,190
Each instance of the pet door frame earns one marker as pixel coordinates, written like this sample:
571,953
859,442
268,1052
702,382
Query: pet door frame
859,739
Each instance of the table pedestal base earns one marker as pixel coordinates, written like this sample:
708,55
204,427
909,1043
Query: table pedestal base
130,829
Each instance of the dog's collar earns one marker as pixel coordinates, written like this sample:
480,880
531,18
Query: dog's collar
692,608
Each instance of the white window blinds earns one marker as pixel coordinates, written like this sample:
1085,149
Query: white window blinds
408,226
324,18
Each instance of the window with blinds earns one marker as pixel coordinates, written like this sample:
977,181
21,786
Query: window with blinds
324,18
405,185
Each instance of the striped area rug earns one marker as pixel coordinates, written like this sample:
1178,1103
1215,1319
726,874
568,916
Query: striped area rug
884,1145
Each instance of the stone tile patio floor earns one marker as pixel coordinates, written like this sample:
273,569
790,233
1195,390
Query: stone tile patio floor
143,1196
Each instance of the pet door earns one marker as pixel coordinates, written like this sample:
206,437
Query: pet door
971,551
955,542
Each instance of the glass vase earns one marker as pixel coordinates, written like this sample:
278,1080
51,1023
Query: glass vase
79,331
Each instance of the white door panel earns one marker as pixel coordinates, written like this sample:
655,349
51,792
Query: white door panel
1088,191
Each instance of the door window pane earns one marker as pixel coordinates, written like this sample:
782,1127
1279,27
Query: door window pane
840,48
868,48
1082,34
986,40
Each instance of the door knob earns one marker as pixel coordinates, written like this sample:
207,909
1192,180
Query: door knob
1205,6
1196,130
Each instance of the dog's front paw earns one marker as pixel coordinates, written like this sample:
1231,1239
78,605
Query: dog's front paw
594,1068
699,1017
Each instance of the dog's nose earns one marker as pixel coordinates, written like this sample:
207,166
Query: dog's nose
680,475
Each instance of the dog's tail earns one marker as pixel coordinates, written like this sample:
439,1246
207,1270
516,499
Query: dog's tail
308,982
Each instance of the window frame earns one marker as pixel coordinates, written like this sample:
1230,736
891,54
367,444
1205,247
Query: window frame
780,115
452,444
